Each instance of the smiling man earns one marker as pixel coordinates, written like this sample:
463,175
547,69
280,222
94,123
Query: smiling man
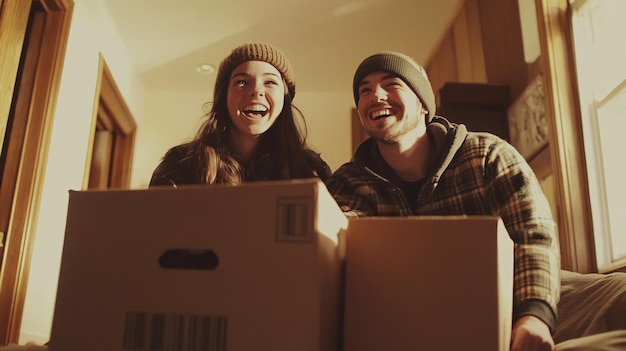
417,163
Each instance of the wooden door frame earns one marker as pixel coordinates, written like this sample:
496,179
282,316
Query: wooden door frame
358,133
35,94
113,116
13,22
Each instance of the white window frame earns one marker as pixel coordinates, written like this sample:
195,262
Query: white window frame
599,52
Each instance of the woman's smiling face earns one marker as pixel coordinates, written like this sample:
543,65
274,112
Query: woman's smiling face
256,96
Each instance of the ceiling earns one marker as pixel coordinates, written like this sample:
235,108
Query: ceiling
324,39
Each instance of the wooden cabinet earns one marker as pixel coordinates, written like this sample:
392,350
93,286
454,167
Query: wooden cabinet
481,107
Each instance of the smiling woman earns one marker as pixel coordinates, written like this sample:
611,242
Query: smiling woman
251,132
256,96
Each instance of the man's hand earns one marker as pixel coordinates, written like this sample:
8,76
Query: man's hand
531,334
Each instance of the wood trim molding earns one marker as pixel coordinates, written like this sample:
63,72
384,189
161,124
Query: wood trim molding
113,115
36,106
359,134
13,22
566,146
111,99
467,39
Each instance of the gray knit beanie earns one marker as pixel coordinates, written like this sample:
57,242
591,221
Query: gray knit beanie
405,68
254,52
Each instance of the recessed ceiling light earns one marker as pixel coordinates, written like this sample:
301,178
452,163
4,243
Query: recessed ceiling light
347,9
205,68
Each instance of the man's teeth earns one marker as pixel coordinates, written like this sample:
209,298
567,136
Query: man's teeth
381,114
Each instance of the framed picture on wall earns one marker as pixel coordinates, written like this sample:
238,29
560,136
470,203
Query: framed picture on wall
528,126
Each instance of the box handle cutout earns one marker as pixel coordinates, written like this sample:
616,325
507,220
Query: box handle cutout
189,259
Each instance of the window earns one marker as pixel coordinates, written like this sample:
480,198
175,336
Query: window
598,29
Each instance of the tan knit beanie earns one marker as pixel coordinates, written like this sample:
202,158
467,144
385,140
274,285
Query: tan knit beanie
403,67
254,52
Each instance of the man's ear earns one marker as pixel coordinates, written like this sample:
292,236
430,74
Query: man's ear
423,106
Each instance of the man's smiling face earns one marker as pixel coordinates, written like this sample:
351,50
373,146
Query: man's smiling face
387,107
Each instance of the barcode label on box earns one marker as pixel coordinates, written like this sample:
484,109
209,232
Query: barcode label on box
174,332
295,219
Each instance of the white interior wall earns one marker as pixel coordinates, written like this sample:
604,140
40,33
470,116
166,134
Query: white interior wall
172,118
91,32
328,117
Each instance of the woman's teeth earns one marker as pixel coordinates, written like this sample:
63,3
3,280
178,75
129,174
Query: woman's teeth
258,110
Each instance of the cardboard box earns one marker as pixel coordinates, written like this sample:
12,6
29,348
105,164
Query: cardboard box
428,283
250,267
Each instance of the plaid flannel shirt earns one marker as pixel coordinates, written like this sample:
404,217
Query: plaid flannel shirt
477,174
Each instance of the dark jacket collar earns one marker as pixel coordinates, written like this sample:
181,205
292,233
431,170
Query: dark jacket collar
447,138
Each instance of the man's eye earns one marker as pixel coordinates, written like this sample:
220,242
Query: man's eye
364,91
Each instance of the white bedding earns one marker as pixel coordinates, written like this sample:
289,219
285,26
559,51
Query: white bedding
591,312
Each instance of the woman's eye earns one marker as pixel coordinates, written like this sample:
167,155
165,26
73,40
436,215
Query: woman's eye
271,82
240,82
